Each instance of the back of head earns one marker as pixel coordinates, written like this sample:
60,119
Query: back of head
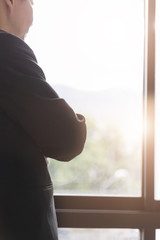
16,16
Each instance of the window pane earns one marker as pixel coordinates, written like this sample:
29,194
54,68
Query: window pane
100,234
157,234
157,105
93,57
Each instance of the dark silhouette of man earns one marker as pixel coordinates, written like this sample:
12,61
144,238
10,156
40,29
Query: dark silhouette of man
35,123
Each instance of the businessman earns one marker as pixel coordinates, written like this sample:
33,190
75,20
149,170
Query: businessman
35,123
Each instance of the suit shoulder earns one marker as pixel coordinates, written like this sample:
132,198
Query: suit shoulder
11,45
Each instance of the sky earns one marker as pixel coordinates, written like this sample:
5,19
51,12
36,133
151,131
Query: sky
89,44
92,45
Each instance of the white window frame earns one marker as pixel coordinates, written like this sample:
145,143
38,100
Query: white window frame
143,213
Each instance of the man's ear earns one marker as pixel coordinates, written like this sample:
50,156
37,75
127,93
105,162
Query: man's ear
9,3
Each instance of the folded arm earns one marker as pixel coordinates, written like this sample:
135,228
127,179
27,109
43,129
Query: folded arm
32,103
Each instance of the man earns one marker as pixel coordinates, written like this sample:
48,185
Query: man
34,124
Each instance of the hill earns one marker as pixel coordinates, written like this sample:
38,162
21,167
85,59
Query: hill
117,107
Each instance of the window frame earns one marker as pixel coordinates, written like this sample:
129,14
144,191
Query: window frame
90,211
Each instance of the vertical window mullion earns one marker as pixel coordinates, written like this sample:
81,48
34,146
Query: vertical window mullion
149,108
148,234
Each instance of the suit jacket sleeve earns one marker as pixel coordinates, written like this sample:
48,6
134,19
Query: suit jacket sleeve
32,103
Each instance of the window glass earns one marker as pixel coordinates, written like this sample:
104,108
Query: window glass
101,234
157,234
92,54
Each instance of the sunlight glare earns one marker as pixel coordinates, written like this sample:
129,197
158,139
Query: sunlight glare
89,44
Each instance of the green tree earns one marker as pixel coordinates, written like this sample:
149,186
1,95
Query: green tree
105,166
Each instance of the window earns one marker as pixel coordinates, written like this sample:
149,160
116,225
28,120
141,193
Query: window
100,56
102,234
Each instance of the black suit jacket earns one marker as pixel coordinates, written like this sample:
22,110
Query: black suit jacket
28,100
34,122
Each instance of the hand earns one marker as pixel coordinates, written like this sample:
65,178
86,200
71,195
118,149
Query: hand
47,160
